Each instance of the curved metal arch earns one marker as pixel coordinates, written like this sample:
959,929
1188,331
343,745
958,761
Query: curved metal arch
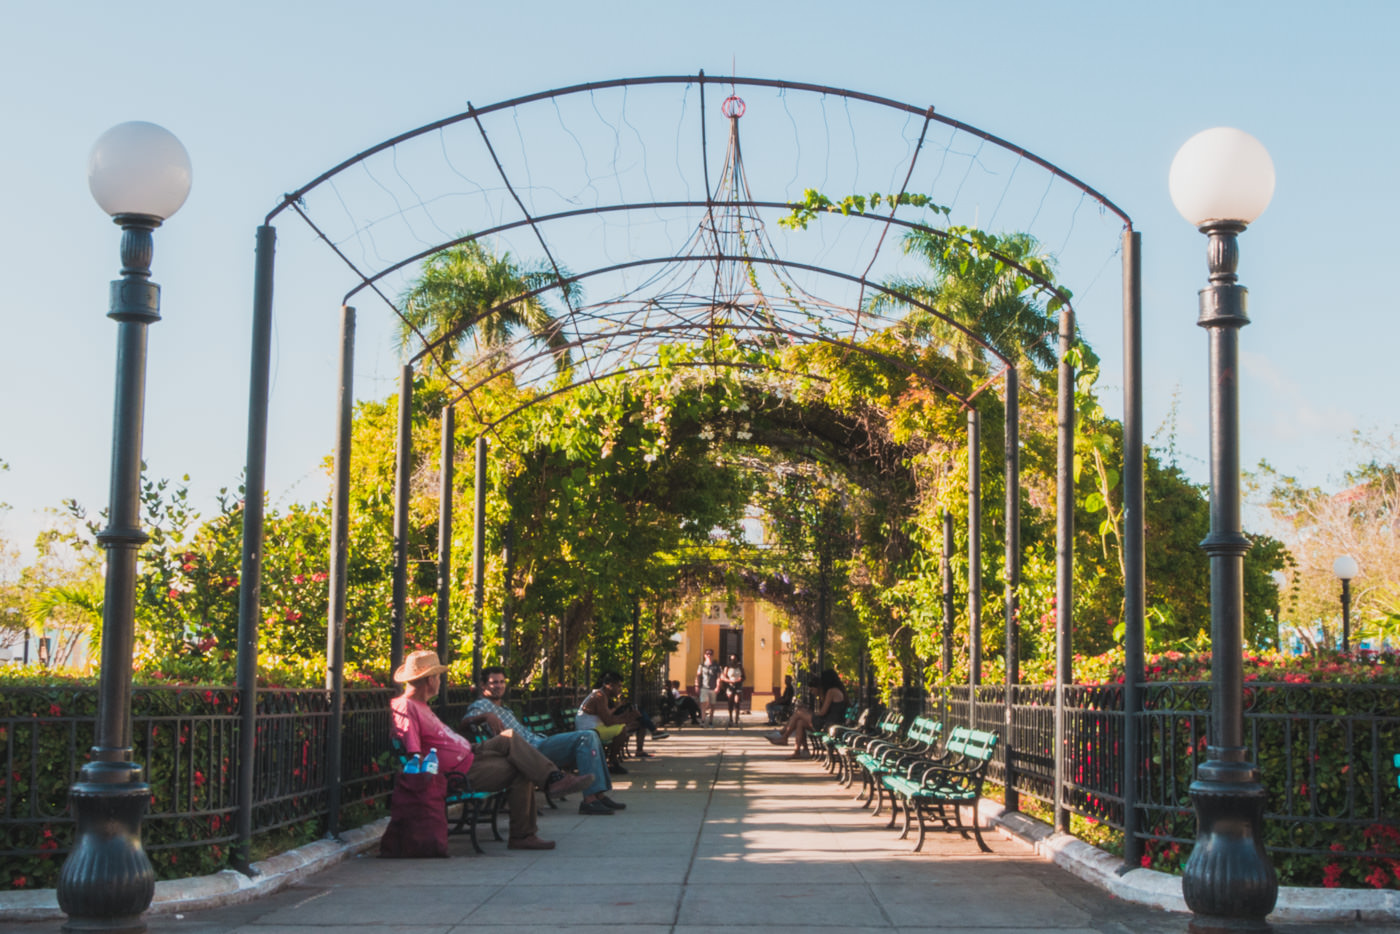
369,281
472,113
708,258
624,371
896,362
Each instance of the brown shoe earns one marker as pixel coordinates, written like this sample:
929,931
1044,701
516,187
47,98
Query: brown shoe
568,784
531,842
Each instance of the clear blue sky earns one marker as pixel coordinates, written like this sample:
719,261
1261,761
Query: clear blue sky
267,95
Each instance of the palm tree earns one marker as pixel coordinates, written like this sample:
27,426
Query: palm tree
978,290
462,283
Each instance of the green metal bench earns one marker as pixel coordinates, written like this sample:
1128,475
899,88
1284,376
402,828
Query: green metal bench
883,757
823,741
939,791
476,807
848,742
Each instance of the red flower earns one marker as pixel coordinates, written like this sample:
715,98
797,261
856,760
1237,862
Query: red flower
319,577
174,594
199,779
19,882
55,710
1378,878
1332,875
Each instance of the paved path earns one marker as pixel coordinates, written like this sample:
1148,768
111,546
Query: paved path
722,832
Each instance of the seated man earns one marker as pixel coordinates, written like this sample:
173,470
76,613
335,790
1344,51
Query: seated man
503,761
580,749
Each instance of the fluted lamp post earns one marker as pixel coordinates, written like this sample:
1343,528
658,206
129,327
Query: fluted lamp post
1346,568
1221,180
140,175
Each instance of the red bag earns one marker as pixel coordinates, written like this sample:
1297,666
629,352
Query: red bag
417,818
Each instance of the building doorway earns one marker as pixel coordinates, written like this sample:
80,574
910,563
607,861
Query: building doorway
731,642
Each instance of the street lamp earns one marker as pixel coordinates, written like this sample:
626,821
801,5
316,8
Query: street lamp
1221,180
1345,567
139,173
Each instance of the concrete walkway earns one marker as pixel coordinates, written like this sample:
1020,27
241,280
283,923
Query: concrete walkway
722,831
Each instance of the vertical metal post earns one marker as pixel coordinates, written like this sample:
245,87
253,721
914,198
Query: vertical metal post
1346,615
1134,546
947,568
340,549
636,651
250,575
479,559
563,653
107,881
1064,560
1228,881
444,568
974,553
508,575
403,464
1012,574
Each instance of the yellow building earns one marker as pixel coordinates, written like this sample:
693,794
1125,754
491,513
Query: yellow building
753,633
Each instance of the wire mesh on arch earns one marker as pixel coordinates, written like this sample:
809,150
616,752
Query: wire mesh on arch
660,199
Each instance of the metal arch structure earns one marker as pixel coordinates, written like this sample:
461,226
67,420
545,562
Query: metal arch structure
383,210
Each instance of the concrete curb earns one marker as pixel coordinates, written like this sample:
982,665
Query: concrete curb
228,887
1163,890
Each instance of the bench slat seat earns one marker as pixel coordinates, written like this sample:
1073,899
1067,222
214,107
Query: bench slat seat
937,790
919,746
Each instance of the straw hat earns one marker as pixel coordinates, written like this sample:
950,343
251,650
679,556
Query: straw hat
419,664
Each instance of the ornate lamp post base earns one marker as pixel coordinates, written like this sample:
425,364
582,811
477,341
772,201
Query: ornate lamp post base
107,881
1229,882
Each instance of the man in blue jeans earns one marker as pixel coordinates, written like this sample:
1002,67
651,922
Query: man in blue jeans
580,749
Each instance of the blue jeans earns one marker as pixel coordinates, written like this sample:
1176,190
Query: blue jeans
582,750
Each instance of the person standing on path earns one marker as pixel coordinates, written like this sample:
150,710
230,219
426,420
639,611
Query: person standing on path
732,684
707,683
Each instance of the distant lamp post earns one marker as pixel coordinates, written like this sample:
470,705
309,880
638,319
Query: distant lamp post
1221,180
139,173
1346,568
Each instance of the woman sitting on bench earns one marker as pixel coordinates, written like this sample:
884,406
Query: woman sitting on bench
831,709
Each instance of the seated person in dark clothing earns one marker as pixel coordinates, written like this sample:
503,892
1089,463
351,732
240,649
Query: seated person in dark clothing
676,708
782,707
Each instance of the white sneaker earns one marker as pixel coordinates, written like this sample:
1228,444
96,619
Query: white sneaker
775,737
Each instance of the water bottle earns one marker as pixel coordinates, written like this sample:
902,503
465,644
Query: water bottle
414,766
430,764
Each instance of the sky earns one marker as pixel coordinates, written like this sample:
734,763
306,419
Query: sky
267,95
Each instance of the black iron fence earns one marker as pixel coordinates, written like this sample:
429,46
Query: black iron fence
1324,751
187,741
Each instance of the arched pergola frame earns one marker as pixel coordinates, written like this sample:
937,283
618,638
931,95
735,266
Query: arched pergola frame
373,280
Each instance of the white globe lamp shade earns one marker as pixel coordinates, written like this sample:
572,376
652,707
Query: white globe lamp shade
139,168
1221,175
1345,567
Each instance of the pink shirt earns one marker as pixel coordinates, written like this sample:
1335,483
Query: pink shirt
419,729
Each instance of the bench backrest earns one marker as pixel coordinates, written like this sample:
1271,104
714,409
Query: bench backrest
925,731
891,723
972,745
541,723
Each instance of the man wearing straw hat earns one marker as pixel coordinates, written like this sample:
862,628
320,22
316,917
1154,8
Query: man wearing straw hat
503,761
